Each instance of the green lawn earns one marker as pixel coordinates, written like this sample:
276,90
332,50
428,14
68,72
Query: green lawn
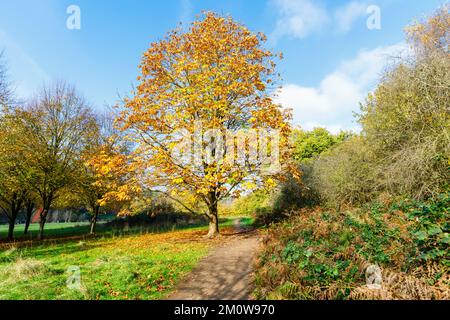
132,266
61,230
51,230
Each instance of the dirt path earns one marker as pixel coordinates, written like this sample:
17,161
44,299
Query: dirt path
224,274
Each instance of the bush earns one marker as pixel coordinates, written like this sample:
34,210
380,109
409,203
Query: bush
406,123
345,175
268,206
161,219
250,204
291,193
404,148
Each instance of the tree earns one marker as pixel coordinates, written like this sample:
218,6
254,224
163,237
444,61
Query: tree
59,123
310,144
433,35
5,86
14,167
30,205
406,121
200,95
105,172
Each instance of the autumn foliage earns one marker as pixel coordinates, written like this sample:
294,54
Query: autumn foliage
216,76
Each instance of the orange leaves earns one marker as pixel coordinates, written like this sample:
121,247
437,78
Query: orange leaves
111,175
216,74
433,33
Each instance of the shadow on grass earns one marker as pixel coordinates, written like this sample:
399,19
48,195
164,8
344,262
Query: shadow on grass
61,233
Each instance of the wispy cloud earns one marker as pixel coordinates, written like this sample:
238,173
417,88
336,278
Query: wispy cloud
347,15
302,18
332,103
29,76
298,18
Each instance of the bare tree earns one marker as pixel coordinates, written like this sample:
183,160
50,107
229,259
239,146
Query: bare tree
59,124
5,85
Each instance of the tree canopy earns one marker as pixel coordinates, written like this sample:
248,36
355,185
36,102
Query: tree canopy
199,96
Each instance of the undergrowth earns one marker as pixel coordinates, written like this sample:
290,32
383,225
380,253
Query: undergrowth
319,254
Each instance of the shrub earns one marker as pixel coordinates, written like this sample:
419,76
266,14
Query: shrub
431,229
345,175
406,121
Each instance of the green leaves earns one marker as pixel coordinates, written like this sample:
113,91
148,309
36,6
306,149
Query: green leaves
420,235
431,228
313,143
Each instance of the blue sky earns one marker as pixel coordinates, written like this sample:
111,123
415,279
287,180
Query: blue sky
332,59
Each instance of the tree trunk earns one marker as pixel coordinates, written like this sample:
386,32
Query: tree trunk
42,223
47,202
94,220
14,212
29,214
27,225
12,224
213,221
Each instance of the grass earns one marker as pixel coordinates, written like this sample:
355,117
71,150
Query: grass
51,230
132,266
62,230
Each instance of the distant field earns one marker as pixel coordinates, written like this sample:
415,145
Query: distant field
51,230
133,266
61,230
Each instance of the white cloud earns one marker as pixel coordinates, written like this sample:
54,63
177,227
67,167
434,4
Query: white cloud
298,18
301,18
347,15
332,103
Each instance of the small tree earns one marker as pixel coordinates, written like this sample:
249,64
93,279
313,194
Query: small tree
105,172
14,167
206,90
308,145
59,123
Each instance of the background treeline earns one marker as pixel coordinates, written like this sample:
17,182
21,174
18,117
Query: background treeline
45,145
62,161
56,153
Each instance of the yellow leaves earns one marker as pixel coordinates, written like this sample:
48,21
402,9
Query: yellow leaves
178,180
215,74
433,33
249,185
203,191
270,183
112,174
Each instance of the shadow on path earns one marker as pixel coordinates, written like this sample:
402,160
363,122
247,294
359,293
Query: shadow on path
225,274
